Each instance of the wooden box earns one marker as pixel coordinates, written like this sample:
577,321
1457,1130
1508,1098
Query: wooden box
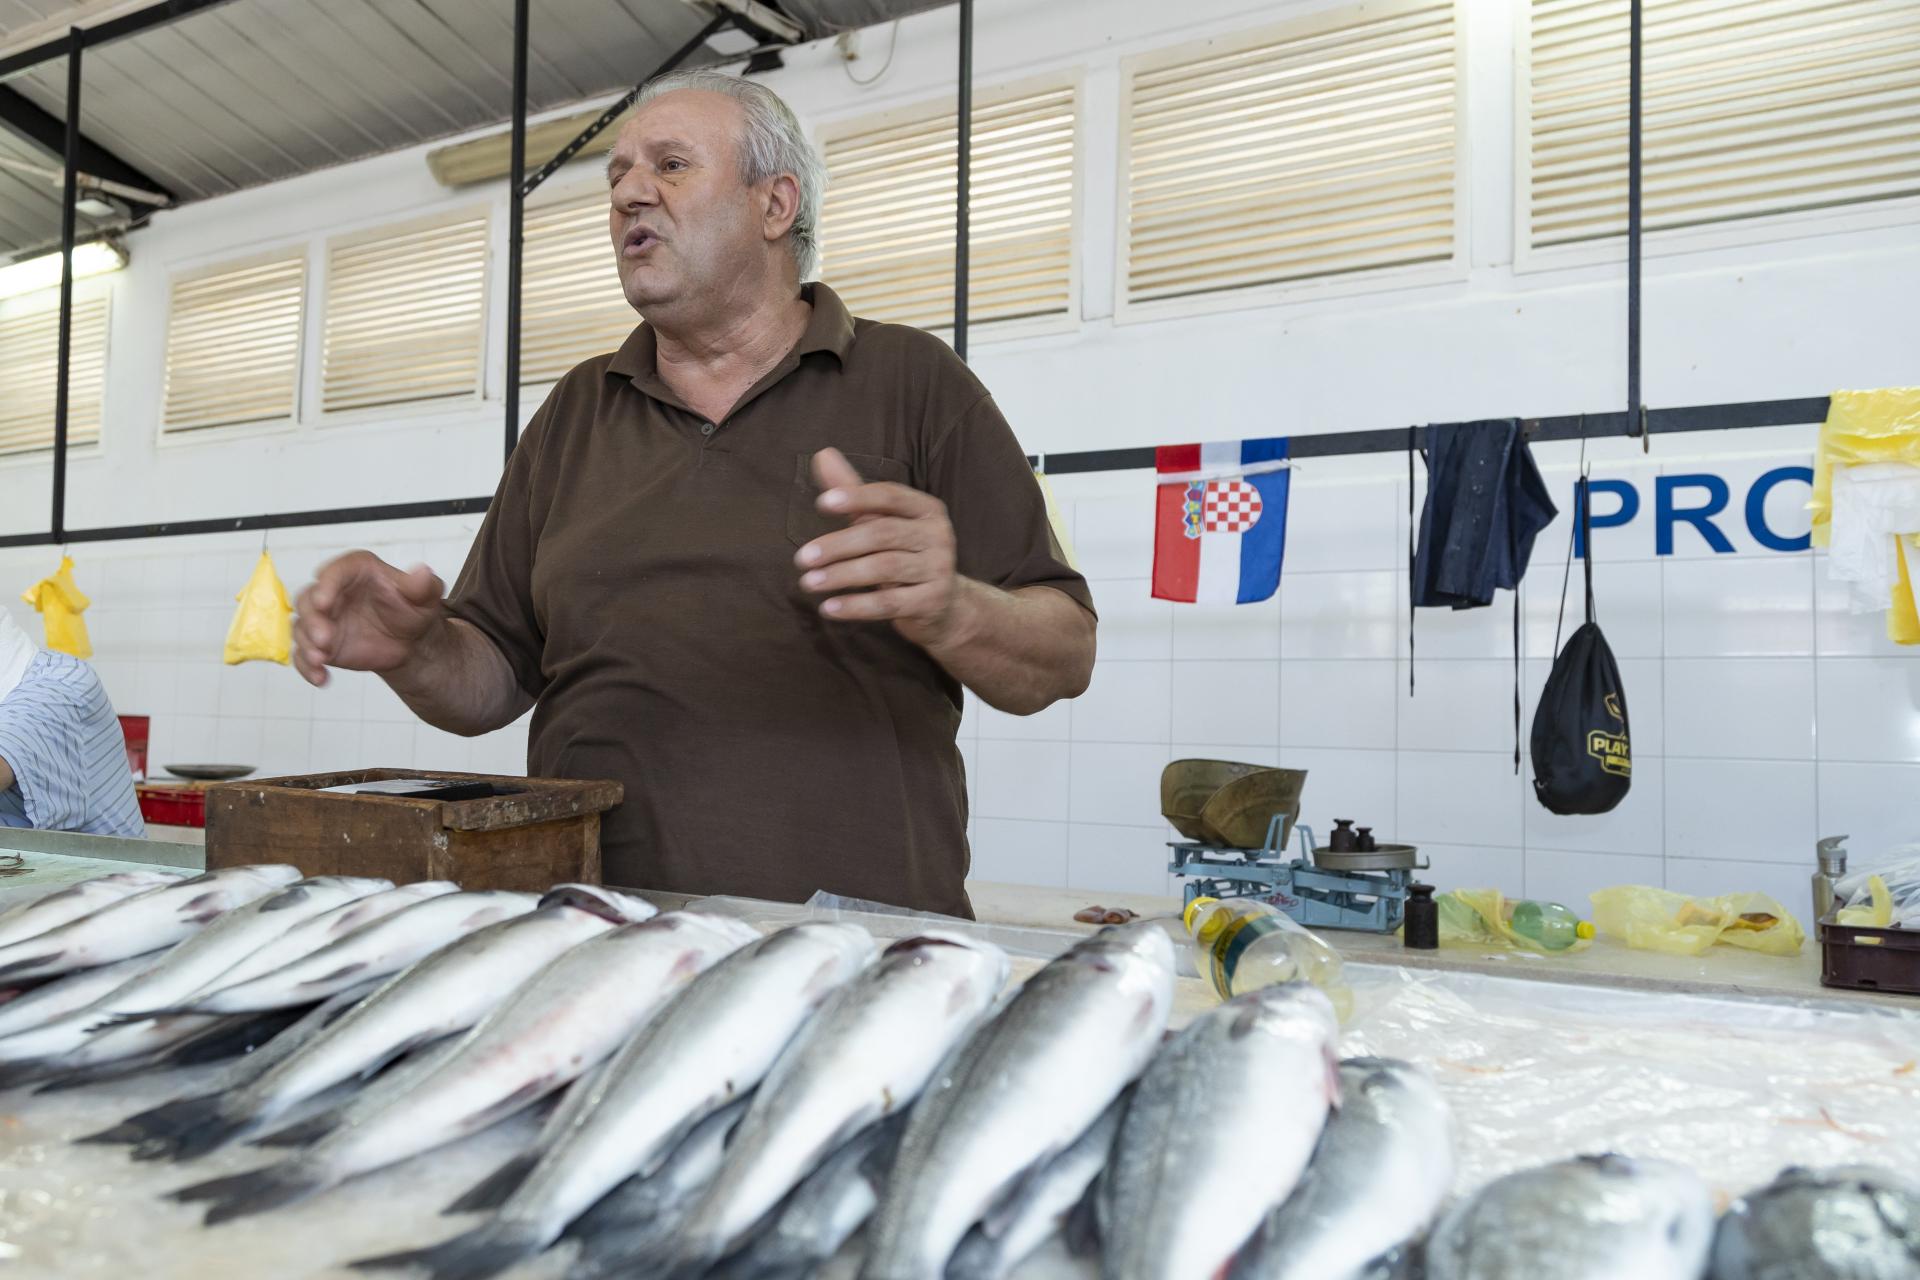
530,834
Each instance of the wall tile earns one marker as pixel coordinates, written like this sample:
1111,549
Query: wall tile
1343,526
1740,708
197,687
182,739
237,741
1023,780
1838,630
1114,536
1102,859
970,709
1457,633
435,749
1226,702
382,703
1635,826
1474,867
1613,544
1340,615
1458,797
1628,603
243,690
1208,631
1739,607
1871,804
1785,505
1019,852
1336,703
1869,709
1117,784
385,744
1127,702
286,692
1269,756
1347,784
344,696
334,745
1458,704
1702,878
286,746
1050,725
1133,625
156,688
1569,876
1744,810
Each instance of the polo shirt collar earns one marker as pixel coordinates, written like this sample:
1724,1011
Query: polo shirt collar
829,328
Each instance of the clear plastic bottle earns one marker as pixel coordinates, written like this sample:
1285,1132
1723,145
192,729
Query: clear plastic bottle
1241,944
1548,923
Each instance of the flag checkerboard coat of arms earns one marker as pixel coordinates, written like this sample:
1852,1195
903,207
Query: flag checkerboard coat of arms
1220,521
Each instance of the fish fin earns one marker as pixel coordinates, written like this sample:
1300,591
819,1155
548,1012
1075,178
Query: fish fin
305,1133
204,907
476,1255
98,1072
190,1127
30,963
236,1036
26,1071
492,1191
243,1194
128,1019
975,1259
128,1133
1081,1231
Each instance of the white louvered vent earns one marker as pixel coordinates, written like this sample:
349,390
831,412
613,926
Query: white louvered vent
29,364
887,226
1316,149
405,314
1752,107
233,344
571,304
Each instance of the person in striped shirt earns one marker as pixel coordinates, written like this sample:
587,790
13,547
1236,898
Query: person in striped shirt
63,760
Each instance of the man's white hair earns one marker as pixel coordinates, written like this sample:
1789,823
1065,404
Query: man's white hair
772,143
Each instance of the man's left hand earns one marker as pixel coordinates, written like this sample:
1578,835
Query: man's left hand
896,556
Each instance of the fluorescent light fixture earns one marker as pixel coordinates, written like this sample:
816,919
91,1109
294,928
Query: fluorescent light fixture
95,258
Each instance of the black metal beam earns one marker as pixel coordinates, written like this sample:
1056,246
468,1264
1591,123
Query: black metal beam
963,186
1634,403
243,524
48,132
516,221
127,24
69,197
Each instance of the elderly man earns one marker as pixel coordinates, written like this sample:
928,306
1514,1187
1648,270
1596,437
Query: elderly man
63,759
745,564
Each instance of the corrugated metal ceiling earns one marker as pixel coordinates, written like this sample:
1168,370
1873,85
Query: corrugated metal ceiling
258,90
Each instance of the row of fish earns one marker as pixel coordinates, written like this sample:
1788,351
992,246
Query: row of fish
731,1105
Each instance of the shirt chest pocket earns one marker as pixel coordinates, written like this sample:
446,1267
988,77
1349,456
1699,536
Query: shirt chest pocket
804,521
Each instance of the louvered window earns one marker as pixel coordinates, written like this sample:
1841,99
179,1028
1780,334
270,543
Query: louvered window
233,344
1320,148
29,365
405,313
887,226
571,303
1752,107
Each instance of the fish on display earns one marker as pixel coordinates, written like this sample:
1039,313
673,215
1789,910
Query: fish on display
70,992
383,947
140,923
1846,1223
822,1213
88,1036
869,1052
1603,1217
709,1047
329,927
627,906
442,995
1042,1206
1023,1088
32,918
1181,1199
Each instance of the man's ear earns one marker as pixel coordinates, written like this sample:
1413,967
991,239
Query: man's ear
782,207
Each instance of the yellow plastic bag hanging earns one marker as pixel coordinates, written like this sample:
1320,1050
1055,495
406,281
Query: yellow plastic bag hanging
1862,426
1649,919
262,627
60,603
1482,917
1057,522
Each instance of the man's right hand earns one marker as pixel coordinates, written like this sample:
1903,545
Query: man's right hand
362,614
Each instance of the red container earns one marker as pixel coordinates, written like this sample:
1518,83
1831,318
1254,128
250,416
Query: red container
173,806
135,730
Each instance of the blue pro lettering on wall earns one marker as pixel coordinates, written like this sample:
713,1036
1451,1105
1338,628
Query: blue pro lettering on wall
1665,512
1757,509
1629,508
1700,500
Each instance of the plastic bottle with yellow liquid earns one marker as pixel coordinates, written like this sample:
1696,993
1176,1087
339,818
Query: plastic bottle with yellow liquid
1242,944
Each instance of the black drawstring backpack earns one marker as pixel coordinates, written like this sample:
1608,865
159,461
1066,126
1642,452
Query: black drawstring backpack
1582,750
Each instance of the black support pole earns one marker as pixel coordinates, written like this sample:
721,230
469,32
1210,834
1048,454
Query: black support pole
963,186
1634,402
69,194
516,222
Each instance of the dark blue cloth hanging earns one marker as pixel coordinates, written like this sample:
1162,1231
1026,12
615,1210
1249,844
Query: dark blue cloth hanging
1486,503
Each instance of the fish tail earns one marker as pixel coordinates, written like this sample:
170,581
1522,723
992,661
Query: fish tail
492,1191
187,1128
483,1252
305,1133
242,1194
29,964
25,1071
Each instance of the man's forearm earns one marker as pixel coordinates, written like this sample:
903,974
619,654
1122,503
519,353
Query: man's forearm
1020,651
458,681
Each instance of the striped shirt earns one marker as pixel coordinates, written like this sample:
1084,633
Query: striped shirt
60,737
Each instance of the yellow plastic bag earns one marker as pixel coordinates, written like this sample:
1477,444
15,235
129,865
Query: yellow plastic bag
262,627
60,603
1862,426
1650,919
1479,916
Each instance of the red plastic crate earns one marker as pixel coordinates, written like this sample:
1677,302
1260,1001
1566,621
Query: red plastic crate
173,806
136,729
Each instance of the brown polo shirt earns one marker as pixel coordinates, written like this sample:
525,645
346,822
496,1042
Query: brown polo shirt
636,569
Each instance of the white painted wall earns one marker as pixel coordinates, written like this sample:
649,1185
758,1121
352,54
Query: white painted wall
1763,713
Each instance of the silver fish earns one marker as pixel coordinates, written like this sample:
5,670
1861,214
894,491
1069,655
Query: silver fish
1024,1087
140,923
329,927
1181,1201
1381,1172
89,1036
637,1221
823,1212
1846,1223
627,906
710,1046
1590,1218
1042,1207
70,992
383,947
869,1052
444,994
63,906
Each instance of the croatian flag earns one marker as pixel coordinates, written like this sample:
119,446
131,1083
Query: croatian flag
1220,521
